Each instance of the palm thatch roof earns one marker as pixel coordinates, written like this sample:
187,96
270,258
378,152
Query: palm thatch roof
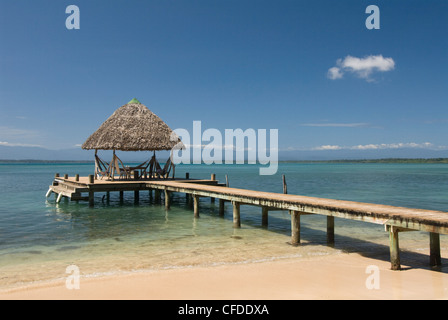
133,127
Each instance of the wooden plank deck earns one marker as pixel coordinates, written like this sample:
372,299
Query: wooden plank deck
395,219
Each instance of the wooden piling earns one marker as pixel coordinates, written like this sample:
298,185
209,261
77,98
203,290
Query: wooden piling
66,176
167,199
121,195
91,178
91,197
136,196
58,199
77,177
221,207
212,178
157,195
285,187
330,231
196,205
295,227
264,216
394,248
236,214
435,259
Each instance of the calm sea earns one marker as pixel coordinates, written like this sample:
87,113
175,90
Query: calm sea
39,238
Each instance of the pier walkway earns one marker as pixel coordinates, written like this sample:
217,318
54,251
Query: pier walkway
395,219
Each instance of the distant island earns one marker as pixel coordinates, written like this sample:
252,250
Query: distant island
385,160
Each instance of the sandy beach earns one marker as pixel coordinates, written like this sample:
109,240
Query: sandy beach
329,277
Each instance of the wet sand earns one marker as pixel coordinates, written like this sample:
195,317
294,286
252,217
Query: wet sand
346,276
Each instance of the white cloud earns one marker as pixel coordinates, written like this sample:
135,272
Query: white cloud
8,144
382,146
334,73
328,147
362,67
346,125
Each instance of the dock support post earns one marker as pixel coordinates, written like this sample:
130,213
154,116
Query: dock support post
330,231
435,259
394,248
221,207
167,199
213,178
196,206
91,198
91,178
157,195
121,195
136,196
236,214
48,193
59,198
264,216
295,227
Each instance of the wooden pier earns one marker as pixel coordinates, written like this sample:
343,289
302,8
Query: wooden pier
394,219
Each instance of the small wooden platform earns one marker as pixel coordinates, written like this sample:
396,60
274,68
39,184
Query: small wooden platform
395,219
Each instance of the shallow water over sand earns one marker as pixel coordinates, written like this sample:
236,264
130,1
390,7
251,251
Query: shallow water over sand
39,238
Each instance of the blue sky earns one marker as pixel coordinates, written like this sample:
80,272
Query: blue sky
230,64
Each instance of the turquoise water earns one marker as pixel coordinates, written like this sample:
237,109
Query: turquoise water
39,238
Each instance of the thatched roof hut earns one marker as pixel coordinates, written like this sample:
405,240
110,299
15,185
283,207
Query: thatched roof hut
133,127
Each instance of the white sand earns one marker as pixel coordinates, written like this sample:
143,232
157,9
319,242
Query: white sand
328,277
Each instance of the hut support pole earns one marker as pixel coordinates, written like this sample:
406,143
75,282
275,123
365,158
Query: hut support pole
136,196
121,196
48,193
236,214
91,198
434,250
157,195
196,206
264,216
